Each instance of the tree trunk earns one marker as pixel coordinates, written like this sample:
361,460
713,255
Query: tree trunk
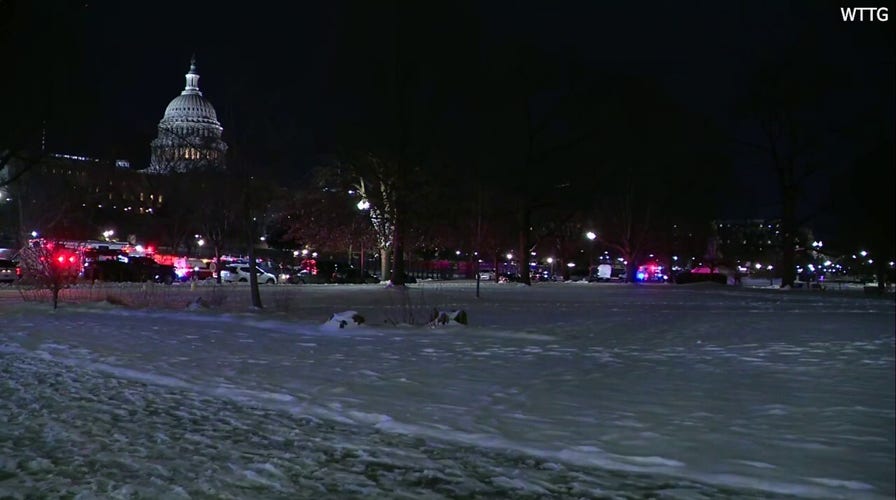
630,269
882,271
525,221
397,253
385,260
250,233
253,275
788,233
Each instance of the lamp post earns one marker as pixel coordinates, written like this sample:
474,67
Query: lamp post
362,206
591,235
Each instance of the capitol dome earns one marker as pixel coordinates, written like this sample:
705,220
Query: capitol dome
191,108
189,136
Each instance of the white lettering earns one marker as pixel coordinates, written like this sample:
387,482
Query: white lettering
848,13
873,13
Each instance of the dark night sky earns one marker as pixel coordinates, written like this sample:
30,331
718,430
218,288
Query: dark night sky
275,71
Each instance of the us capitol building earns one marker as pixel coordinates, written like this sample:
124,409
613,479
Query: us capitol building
189,137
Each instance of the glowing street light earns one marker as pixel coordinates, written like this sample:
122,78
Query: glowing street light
363,204
591,235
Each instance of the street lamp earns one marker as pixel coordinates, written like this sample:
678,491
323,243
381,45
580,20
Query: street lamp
591,236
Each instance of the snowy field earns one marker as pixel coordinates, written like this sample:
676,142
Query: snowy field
554,391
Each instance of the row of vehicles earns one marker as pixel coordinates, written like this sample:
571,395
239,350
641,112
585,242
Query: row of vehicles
122,262
125,267
312,271
10,271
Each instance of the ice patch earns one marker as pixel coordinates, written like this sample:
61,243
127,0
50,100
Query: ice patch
841,483
758,465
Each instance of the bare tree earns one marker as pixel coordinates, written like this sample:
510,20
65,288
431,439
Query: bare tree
791,139
49,266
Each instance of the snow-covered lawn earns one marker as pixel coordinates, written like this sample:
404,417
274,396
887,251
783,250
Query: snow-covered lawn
554,391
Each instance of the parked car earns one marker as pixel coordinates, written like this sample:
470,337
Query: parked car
321,271
607,272
700,275
9,271
240,273
128,268
487,275
196,270
353,275
197,274
289,274
509,278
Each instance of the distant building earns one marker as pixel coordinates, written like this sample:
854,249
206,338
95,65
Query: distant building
748,240
189,136
69,196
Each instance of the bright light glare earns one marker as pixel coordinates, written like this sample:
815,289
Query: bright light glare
590,235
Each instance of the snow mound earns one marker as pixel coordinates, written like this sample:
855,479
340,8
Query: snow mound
445,318
343,320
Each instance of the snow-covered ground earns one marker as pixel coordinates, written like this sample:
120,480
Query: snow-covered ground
554,391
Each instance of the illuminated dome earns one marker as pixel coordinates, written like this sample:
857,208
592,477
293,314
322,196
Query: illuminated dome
189,133
191,108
